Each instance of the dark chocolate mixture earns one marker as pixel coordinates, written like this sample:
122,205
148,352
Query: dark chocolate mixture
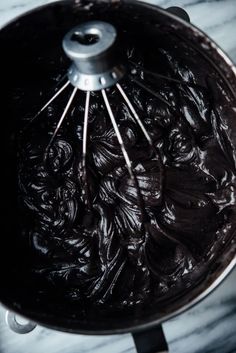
119,253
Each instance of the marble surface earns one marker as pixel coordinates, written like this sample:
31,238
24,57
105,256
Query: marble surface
209,327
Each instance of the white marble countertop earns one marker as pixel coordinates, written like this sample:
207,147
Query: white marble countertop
209,327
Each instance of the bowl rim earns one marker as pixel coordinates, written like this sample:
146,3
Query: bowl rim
223,272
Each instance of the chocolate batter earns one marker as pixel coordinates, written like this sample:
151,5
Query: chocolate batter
117,252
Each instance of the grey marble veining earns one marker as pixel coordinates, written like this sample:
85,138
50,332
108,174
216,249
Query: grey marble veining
210,326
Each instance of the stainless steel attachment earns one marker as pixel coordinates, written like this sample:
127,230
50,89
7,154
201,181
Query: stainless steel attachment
92,48
96,66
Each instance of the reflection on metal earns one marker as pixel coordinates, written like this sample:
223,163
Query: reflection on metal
14,325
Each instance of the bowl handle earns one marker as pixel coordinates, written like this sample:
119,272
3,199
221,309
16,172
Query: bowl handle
150,340
179,12
14,325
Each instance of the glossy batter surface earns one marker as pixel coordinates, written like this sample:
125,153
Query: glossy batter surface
119,253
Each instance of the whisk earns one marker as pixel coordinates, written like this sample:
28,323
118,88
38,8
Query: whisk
96,66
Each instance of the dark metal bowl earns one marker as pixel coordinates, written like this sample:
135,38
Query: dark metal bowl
56,19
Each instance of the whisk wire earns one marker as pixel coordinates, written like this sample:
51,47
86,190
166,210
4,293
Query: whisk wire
67,107
117,131
47,104
131,107
149,90
84,148
164,77
126,157
85,129
145,132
